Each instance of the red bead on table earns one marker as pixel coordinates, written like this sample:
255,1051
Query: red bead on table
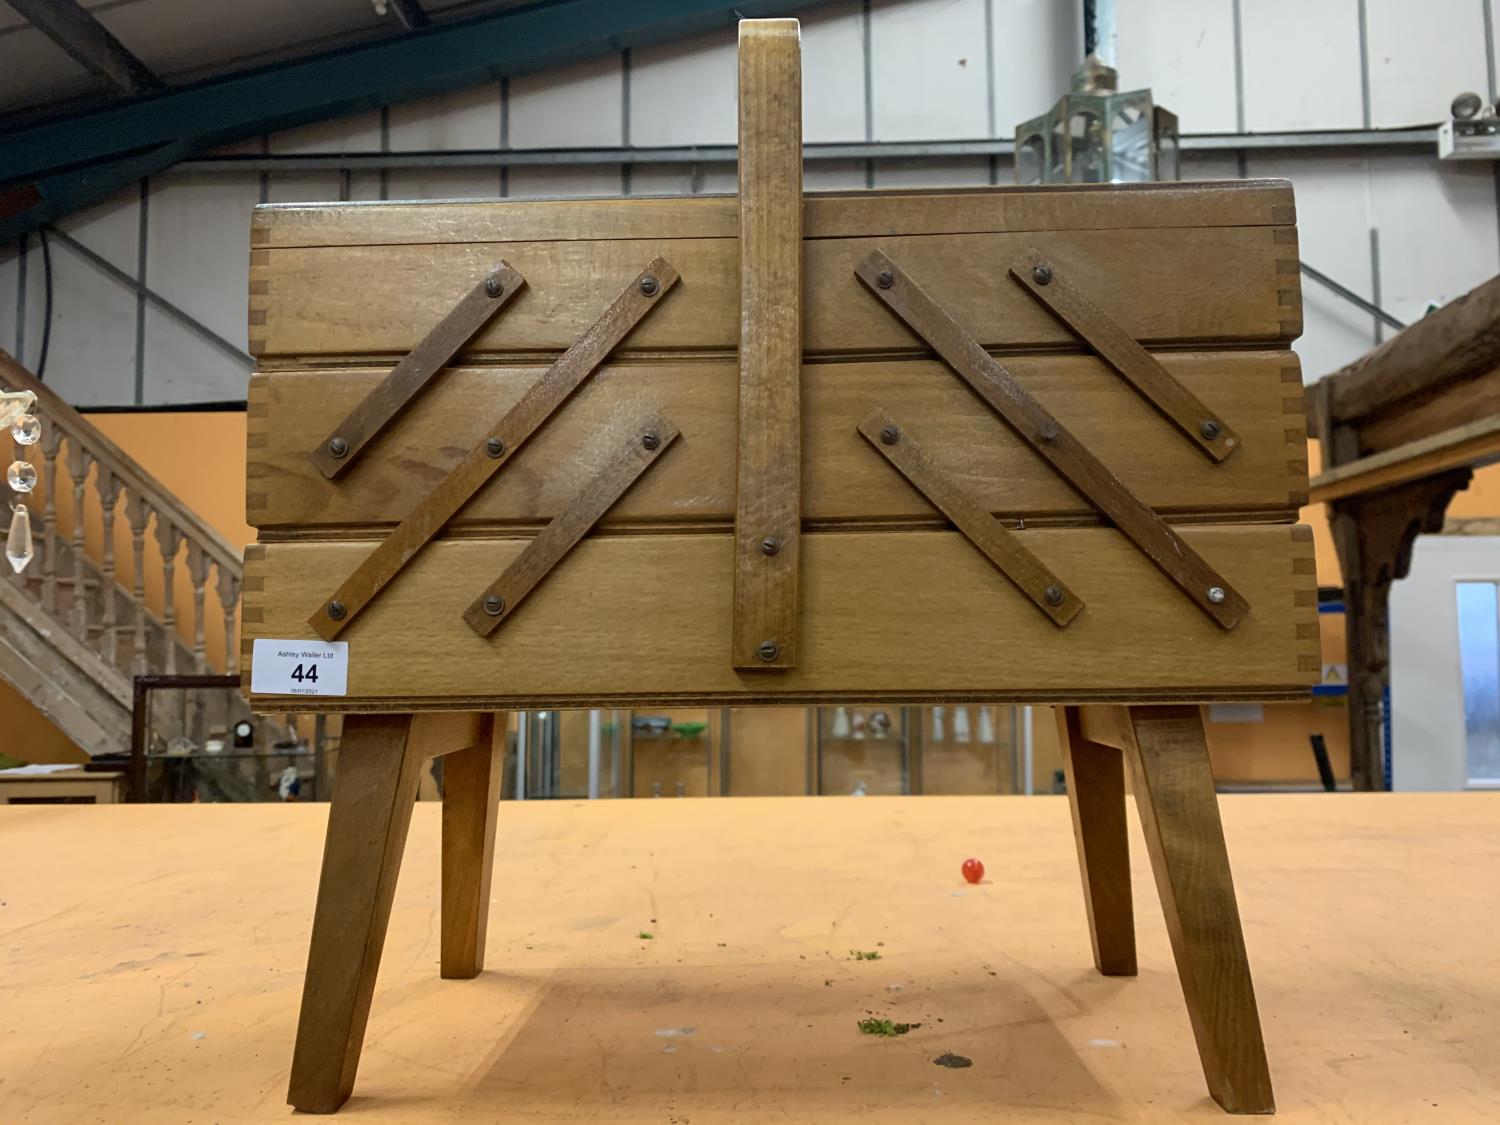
973,870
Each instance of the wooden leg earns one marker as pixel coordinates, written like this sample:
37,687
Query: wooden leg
1096,792
378,771
471,793
1174,791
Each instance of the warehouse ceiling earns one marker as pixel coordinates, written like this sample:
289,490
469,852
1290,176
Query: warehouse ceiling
97,94
187,41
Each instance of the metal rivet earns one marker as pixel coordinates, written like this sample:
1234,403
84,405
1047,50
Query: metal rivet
337,447
1216,594
650,439
885,279
494,447
890,435
1042,275
770,545
649,285
1053,594
336,611
1047,431
768,650
1209,429
493,286
494,606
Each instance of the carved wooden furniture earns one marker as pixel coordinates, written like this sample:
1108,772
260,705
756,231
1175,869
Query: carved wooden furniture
1402,429
1011,445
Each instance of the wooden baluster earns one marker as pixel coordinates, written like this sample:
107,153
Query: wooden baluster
108,486
79,460
52,437
138,512
169,539
229,599
198,563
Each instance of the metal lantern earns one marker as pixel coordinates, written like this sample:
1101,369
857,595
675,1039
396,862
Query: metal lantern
1095,135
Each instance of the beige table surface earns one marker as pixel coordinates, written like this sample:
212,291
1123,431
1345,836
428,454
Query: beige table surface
152,959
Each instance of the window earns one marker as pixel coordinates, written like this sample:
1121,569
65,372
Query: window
1479,661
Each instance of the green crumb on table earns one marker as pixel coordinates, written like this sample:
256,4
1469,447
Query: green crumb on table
864,955
645,935
885,1028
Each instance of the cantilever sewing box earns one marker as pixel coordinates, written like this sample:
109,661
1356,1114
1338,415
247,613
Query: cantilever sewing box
1039,445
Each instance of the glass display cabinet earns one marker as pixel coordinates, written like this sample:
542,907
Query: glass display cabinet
193,739
970,749
569,755
565,755
864,751
675,752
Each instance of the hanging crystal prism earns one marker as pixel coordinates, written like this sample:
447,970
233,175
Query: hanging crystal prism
21,476
15,404
27,429
18,541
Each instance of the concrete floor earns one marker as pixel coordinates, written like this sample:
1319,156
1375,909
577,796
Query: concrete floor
153,958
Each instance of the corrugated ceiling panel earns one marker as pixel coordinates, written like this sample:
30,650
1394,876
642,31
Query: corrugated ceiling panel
194,37
929,69
1421,55
1438,231
10,269
684,179
685,93
91,359
1302,65
1038,45
443,183
966,172
1185,53
357,133
549,181
833,73
577,106
464,119
35,71
302,187
1333,229
181,367
198,246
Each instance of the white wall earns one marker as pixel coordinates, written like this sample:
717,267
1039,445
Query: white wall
886,70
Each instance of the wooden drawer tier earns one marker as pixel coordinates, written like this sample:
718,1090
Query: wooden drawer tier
1168,286
1266,479
884,616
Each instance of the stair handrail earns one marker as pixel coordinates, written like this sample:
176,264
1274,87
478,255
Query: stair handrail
52,406
178,530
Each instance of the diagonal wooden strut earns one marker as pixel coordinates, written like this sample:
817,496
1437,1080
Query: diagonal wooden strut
494,450
637,449
992,538
1040,430
340,449
1042,279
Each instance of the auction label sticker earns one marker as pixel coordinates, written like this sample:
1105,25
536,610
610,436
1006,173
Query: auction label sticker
299,667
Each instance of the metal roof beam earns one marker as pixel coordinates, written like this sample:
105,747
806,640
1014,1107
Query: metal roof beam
73,28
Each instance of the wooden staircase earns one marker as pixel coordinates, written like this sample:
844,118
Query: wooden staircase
89,613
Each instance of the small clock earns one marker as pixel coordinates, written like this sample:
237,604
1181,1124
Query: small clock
244,734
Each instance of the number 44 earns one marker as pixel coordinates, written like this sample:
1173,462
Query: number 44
308,674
